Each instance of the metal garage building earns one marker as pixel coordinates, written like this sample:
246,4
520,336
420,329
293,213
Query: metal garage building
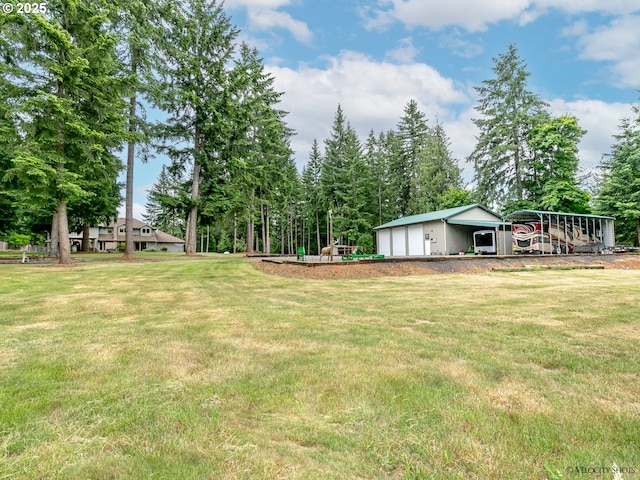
442,232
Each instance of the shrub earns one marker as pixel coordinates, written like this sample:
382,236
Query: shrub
19,240
120,247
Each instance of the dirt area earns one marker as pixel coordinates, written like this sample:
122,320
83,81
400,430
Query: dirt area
287,267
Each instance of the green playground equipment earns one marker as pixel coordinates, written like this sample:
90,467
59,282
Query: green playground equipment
301,255
359,254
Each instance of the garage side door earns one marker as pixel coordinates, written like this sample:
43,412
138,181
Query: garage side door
384,242
399,242
416,242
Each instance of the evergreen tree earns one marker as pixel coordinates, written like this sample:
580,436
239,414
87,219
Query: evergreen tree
138,24
167,203
390,205
343,182
619,196
413,134
66,103
377,165
502,157
313,208
195,54
436,172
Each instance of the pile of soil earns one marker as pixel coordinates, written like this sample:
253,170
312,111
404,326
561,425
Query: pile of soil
437,265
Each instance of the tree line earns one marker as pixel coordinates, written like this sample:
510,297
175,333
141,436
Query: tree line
74,85
75,82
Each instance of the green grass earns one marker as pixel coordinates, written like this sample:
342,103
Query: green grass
207,368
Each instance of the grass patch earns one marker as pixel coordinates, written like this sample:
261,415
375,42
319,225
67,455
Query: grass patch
207,368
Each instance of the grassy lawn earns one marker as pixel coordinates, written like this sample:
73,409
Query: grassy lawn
207,368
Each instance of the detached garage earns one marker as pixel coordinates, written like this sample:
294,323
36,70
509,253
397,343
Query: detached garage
441,233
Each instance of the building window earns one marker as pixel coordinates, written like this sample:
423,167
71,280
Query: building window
121,229
146,231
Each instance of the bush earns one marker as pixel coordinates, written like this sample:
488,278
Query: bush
19,240
224,243
120,247
164,249
365,240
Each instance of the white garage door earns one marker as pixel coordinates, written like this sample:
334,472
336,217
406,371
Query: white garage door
384,242
416,242
399,242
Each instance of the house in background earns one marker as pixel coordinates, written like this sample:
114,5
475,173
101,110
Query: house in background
105,238
442,232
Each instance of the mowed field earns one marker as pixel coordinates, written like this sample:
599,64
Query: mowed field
208,368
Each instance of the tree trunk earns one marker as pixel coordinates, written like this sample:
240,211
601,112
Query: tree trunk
63,232
128,239
192,218
249,236
281,238
263,233
250,226
638,229
55,236
318,231
267,236
235,235
85,237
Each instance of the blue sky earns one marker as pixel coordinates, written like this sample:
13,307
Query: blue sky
373,56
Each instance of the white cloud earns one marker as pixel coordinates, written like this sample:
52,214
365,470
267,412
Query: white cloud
405,52
599,119
266,19
610,7
372,95
473,15
260,4
462,48
618,43
263,15
138,211
476,15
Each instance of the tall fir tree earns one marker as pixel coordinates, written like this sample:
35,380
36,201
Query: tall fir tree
508,111
67,104
619,195
413,134
436,172
195,56
138,24
313,206
167,202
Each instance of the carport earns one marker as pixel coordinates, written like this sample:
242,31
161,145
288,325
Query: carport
568,232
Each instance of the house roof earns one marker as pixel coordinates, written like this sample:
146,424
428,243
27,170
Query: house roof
447,214
166,238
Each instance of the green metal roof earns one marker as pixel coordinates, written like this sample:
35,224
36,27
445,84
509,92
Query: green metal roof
432,216
534,214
